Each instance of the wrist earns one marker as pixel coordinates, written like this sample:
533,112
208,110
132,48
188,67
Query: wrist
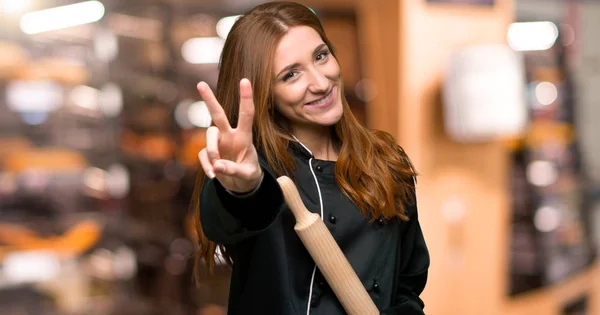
255,186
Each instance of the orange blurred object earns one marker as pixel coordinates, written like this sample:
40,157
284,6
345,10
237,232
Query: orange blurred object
12,58
14,146
155,147
73,242
56,69
192,144
50,159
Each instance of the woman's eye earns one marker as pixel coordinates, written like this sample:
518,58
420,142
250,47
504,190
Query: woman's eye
322,55
290,75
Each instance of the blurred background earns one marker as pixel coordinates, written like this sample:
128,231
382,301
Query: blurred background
496,102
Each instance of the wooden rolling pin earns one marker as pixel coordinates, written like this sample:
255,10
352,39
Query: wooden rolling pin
327,254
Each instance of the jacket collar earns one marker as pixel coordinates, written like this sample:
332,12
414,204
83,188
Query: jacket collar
300,148
326,168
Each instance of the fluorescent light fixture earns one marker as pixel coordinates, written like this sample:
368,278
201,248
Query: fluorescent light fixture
225,24
202,50
62,17
532,36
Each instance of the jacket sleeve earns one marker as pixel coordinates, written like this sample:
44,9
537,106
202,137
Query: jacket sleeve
411,269
228,219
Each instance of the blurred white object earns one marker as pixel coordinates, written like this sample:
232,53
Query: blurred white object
202,50
225,24
532,36
199,115
62,17
34,96
111,99
546,93
182,115
542,173
484,94
117,181
14,6
30,267
84,97
106,45
547,219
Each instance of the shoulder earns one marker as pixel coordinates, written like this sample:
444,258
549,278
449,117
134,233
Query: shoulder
389,146
396,158
386,139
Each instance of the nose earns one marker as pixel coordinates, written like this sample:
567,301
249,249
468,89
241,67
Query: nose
319,83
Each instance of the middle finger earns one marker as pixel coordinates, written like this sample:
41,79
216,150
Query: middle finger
246,114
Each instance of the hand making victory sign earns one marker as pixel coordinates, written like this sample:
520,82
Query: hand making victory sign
230,155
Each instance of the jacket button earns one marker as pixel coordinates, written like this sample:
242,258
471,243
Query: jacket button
375,286
322,283
332,219
319,168
381,221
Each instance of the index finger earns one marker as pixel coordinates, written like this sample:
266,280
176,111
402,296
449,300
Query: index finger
246,115
214,108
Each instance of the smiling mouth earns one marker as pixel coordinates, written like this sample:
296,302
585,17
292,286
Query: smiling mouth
324,100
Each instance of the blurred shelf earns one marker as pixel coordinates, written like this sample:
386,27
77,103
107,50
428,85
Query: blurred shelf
551,300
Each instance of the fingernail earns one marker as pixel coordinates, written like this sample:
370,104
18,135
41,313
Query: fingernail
200,85
211,174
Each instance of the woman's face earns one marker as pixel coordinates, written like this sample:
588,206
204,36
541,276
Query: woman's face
307,80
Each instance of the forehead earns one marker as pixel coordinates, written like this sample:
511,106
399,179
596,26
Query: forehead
296,45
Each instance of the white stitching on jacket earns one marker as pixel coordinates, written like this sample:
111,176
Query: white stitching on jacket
312,278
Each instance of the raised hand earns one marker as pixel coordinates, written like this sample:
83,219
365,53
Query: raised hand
230,155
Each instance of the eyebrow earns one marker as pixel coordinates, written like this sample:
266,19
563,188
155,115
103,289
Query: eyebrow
296,64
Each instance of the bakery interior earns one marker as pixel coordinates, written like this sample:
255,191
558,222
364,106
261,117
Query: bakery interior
100,125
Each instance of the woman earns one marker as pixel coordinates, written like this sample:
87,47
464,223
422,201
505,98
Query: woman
280,86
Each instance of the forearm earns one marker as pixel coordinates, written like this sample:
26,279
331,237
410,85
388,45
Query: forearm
228,218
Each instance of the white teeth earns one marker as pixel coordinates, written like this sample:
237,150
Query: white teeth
322,101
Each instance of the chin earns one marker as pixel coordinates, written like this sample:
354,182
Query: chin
332,117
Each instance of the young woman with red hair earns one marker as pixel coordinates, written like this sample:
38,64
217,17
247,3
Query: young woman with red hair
279,109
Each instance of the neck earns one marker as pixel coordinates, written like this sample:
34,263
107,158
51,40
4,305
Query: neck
319,141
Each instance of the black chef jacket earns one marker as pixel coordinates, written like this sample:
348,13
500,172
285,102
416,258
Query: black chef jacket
272,272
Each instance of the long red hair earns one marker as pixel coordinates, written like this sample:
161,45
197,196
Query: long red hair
372,170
